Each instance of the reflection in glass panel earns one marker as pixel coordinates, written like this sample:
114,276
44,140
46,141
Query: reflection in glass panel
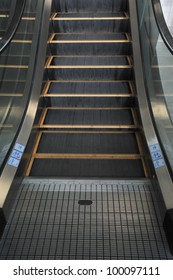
14,65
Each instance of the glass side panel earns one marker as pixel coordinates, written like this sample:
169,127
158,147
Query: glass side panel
14,70
167,7
158,71
5,8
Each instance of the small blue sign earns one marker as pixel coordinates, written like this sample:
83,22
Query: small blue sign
13,162
157,156
154,148
16,155
19,147
159,163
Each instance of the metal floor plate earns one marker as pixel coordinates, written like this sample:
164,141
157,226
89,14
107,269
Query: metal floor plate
84,219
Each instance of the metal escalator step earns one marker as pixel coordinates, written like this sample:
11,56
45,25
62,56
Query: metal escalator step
88,37
89,44
90,5
89,94
88,16
90,73
90,100
89,87
91,117
87,168
85,61
90,22
92,68
88,143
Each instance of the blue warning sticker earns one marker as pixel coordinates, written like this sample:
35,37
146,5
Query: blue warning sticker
159,163
13,162
19,147
16,155
157,156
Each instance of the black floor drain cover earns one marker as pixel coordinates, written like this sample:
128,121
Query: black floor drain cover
85,202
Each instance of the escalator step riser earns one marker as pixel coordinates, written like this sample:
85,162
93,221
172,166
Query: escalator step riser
90,101
88,143
90,74
85,116
90,5
90,87
83,26
90,48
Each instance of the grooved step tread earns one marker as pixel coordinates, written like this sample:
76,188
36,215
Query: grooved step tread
95,37
89,87
82,168
89,61
89,16
88,143
89,117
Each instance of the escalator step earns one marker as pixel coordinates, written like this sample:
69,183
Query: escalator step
89,60
89,94
108,143
83,116
87,168
93,101
89,87
89,16
90,5
90,48
92,68
89,72
102,37
87,22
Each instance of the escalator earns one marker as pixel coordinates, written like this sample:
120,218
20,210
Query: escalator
90,127
87,191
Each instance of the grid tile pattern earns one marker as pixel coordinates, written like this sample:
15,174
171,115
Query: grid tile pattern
47,222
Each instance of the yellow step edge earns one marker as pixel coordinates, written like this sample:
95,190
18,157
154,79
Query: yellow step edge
89,66
88,108
65,126
88,18
87,41
86,156
85,132
86,95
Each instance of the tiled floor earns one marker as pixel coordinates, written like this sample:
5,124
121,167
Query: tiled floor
120,221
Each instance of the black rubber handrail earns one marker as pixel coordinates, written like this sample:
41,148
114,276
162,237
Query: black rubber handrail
13,25
162,26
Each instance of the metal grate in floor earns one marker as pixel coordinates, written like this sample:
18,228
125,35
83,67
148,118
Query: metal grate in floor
84,219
